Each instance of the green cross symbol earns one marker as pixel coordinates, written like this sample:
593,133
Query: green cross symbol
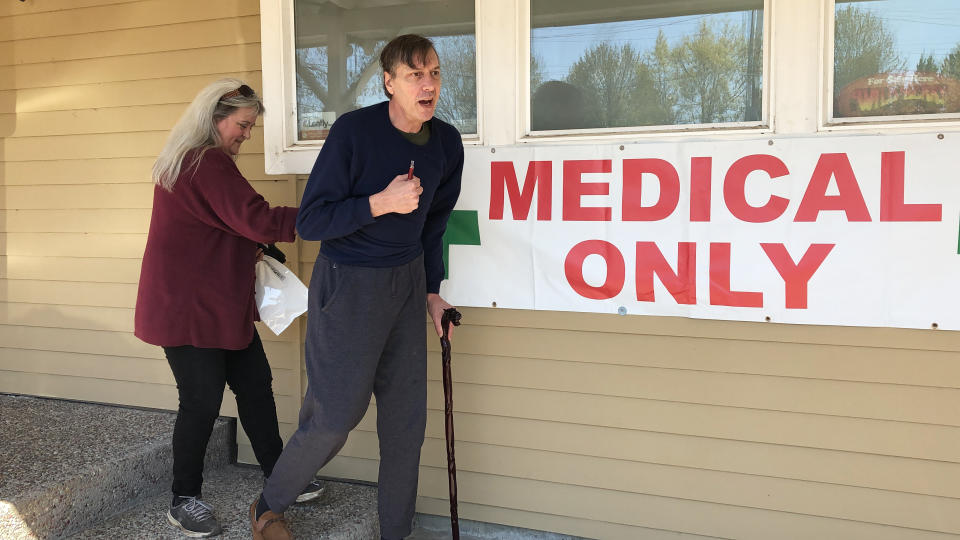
463,228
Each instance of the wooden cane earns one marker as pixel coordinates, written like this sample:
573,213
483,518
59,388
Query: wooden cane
450,315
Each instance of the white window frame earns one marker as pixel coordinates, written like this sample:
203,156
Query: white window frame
503,44
797,85
633,132
284,153
829,123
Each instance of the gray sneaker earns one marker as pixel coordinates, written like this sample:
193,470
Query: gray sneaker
194,518
313,490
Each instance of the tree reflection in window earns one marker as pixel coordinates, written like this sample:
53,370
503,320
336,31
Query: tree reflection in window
896,58
645,63
338,46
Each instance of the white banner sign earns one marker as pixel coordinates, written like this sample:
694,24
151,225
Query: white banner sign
858,230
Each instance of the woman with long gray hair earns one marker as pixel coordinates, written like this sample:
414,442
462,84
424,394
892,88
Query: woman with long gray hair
196,289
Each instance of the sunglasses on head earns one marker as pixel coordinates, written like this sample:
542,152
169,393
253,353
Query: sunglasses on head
244,91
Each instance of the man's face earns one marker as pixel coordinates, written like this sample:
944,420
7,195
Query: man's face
414,92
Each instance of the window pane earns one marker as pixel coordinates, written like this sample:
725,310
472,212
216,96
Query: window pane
896,57
622,63
338,55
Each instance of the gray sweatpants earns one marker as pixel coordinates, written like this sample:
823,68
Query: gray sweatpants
365,334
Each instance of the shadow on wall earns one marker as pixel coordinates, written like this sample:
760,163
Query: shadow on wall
8,122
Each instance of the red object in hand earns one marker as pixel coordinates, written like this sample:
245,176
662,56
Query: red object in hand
410,172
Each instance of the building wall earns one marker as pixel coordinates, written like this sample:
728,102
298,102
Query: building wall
88,91
595,425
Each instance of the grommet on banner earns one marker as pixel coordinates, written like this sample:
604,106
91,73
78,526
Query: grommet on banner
934,326
940,136
493,150
621,310
767,318
493,304
770,142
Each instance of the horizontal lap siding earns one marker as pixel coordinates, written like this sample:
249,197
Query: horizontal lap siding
9,8
65,17
815,431
595,425
89,90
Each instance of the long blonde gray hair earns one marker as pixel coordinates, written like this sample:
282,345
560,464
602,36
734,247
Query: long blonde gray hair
197,128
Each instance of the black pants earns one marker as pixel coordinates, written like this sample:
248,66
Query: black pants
200,375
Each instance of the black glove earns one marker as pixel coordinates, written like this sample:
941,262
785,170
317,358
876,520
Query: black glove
273,251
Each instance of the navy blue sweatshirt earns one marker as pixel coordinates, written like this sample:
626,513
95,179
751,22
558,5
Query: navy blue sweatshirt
361,156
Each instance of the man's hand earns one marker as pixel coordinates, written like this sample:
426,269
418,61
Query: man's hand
402,196
435,307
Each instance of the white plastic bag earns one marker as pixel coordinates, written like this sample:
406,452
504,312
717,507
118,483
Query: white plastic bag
280,296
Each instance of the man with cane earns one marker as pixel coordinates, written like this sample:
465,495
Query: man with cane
379,268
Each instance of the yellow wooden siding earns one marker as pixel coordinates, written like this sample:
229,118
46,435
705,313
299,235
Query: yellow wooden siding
67,173
133,41
64,17
594,425
9,8
124,93
88,91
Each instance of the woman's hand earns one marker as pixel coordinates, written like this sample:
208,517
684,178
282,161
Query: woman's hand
259,254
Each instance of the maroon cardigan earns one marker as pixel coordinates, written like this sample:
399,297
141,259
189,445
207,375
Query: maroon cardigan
196,282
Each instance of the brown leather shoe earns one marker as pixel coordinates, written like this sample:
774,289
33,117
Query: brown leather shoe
270,526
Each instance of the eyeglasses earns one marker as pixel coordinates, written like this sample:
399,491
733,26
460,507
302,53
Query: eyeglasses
244,91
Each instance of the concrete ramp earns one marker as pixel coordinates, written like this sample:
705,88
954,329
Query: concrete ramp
67,464
82,470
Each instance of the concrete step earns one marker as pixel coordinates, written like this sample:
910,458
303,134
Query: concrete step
85,471
343,512
66,465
